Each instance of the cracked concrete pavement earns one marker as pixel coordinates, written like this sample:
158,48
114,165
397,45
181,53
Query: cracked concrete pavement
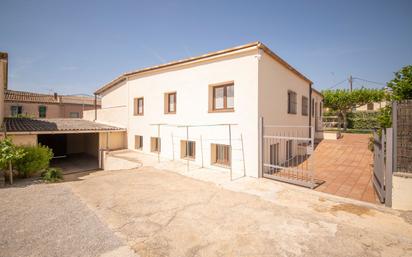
161,213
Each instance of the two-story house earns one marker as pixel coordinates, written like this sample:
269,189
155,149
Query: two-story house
183,109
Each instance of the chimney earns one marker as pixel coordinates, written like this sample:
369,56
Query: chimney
55,96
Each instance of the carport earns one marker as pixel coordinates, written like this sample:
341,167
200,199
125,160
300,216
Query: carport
77,144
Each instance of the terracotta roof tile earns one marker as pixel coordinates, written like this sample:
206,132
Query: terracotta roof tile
21,96
64,125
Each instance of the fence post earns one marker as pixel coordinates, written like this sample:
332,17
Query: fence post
389,167
260,147
243,155
201,148
230,147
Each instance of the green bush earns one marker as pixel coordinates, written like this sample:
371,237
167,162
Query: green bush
36,159
52,175
363,120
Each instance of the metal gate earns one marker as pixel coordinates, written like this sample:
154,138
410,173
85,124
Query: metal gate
382,165
287,154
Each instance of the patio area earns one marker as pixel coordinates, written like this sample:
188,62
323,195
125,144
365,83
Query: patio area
346,167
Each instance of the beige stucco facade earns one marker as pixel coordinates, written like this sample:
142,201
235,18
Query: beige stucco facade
402,191
261,84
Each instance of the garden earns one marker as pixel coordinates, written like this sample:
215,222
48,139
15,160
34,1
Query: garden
27,161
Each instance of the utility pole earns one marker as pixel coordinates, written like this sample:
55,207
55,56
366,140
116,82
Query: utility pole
350,83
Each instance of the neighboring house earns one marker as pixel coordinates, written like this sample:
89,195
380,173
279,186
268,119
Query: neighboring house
35,105
182,110
3,81
371,107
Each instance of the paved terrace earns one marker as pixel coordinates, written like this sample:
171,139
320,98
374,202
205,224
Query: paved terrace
346,167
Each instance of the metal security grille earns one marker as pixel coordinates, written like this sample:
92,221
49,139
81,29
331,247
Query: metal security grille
287,154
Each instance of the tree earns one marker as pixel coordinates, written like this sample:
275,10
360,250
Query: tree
344,101
399,88
9,153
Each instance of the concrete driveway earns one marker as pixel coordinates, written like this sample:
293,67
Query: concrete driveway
161,213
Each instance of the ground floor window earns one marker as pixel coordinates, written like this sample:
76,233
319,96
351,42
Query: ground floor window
16,110
289,149
138,142
155,144
221,154
187,149
74,115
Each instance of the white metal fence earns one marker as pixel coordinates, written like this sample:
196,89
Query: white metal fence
287,154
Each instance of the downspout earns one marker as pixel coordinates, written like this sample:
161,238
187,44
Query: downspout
310,109
95,106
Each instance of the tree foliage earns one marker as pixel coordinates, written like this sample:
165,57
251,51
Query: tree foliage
36,159
399,88
344,101
9,154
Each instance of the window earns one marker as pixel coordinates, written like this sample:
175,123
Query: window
42,111
289,149
187,149
313,107
221,155
138,106
155,144
369,106
74,115
170,103
292,102
274,156
222,98
138,142
16,110
305,102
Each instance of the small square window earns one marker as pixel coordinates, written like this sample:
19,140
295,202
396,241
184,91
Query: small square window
138,142
74,115
155,144
187,149
221,155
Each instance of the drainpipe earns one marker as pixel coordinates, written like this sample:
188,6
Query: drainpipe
310,109
95,106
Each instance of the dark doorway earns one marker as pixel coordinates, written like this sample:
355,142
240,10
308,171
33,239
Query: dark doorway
56,142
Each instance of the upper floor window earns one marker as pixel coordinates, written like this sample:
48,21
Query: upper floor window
313,107
16,110
222,97
138,106
292,103
42,111
305,106
170,103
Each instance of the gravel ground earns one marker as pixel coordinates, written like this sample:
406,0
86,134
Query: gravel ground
162,213
49,220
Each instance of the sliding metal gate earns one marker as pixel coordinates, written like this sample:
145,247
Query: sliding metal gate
287,154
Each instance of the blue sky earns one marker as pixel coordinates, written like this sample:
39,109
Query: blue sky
75,47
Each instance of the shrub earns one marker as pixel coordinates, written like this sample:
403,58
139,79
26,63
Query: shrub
52,175
363,120
36,159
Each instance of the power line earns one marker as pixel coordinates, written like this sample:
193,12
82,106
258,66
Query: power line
337,84
369,81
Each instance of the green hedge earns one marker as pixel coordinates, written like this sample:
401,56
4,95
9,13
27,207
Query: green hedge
363,120
36,159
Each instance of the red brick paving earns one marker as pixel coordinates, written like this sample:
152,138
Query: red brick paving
346,167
